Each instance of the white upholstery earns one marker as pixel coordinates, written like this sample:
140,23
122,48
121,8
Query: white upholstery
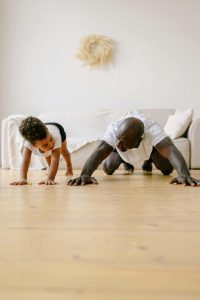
178,123
194,138
183,145
84,130
159,115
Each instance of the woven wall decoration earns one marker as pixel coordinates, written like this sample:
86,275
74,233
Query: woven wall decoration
96,50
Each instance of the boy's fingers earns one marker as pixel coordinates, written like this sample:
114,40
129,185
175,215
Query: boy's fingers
48,182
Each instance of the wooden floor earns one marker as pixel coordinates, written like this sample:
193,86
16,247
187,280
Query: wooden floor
132,237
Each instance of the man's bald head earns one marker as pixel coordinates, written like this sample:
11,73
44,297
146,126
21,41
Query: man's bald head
130,134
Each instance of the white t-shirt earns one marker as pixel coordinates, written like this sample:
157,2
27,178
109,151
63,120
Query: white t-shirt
54,131
153,134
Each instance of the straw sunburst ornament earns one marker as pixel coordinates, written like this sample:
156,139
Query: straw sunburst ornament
96,50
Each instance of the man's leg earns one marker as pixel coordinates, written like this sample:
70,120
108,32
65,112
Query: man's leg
112,163
161,162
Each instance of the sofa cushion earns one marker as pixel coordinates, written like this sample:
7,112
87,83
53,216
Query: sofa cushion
159,115
73,122
80,156
178,123
86,123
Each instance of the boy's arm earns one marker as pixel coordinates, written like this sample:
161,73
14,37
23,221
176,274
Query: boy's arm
69,162
26,158
53,168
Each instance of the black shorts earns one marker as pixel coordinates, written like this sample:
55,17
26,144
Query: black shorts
60,128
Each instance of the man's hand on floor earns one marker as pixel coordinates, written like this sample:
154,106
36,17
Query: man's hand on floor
82,180
185,180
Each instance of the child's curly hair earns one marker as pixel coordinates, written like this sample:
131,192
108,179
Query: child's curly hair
33,129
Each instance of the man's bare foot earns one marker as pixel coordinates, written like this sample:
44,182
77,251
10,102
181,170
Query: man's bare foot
128,168
147,167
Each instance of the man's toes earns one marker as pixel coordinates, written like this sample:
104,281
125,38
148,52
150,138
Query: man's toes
147,167
128,168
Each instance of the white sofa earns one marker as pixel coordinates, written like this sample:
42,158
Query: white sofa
84,130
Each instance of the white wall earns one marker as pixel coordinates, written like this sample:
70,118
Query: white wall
157,61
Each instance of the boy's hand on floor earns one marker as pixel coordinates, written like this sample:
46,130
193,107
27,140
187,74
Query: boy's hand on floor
19,182
47,182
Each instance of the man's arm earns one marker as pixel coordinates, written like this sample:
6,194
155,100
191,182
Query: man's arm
168,150
92,163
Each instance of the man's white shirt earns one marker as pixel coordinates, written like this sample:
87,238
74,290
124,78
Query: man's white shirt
153,134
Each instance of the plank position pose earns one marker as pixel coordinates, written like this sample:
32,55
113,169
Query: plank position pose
47,140
129,140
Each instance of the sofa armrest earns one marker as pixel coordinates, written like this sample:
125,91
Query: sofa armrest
194,138
12,145
4,145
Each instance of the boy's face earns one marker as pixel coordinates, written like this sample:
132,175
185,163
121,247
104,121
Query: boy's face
45,144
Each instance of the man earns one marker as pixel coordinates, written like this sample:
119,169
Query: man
130,140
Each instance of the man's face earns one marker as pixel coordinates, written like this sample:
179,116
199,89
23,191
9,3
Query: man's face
125,143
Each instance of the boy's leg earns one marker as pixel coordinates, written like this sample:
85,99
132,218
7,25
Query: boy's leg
67,157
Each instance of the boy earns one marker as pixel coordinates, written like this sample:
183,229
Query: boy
47,140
